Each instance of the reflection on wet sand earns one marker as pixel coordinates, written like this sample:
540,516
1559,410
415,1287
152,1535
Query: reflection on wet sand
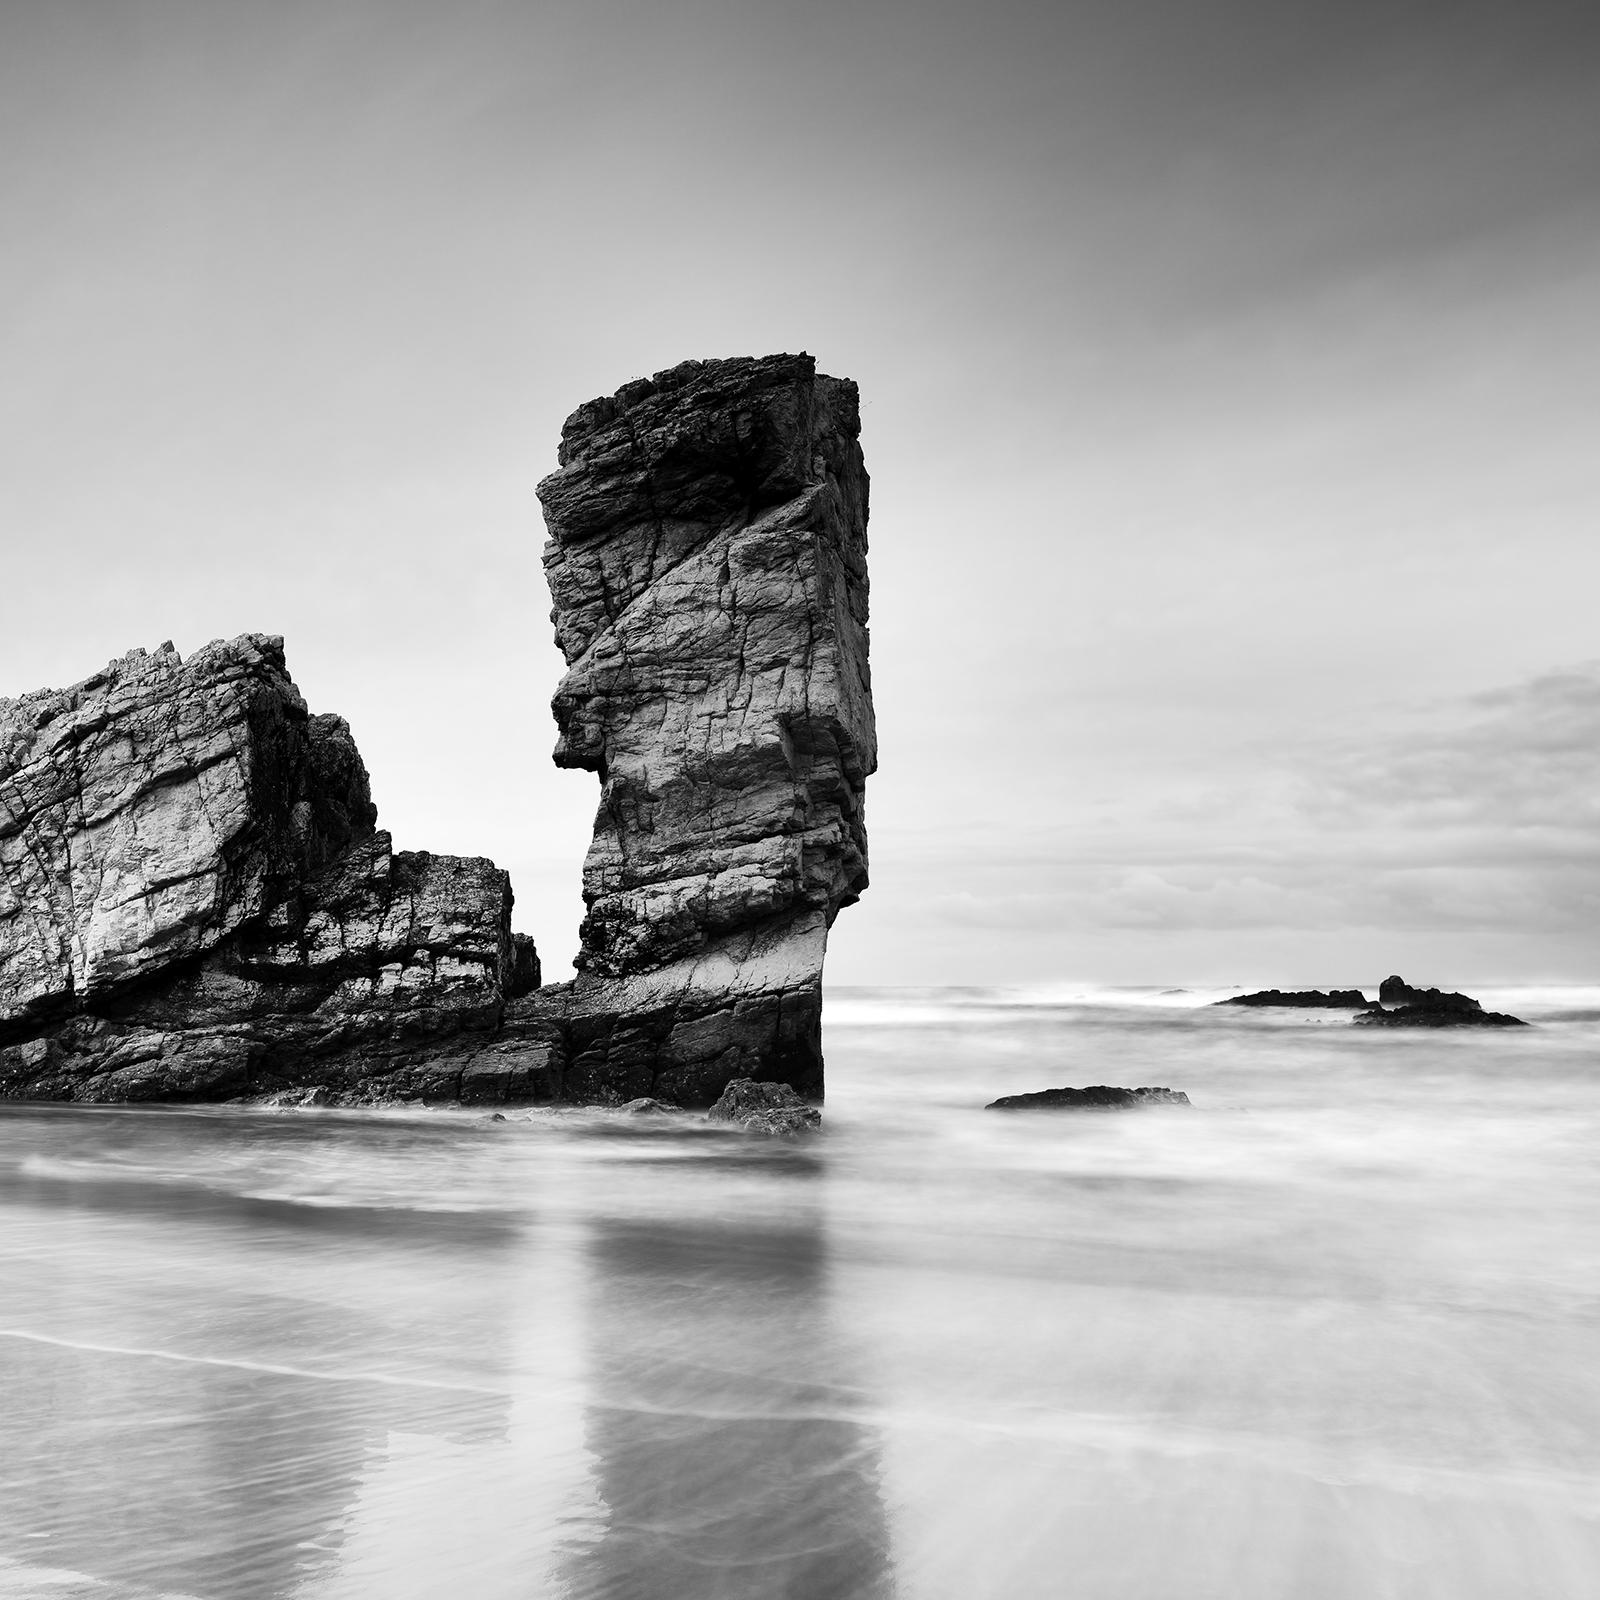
725,1473
199,1418
238,1490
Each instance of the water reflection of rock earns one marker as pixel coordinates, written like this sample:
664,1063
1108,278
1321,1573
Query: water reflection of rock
217,1481
191,1373
727,1456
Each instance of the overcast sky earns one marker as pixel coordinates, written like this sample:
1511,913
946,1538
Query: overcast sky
1229,378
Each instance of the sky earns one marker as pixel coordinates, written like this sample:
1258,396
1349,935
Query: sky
1229,389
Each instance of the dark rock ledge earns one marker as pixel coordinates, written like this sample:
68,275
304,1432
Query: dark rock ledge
196,902
1340,999
1098,1097
1399,1006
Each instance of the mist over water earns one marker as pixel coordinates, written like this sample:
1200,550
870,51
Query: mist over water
1328,1333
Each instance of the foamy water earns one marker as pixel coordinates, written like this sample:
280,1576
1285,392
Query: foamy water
1332,1332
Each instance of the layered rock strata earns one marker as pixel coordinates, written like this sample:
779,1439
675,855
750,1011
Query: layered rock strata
196,903
707,560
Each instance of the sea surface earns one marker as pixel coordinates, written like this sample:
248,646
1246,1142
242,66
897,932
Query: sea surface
1331,1333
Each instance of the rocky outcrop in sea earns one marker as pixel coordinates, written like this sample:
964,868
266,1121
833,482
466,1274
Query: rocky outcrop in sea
196,902
1399,1006
1402,1006
1332,999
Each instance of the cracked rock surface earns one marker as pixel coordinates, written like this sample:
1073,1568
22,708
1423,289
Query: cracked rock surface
195,901
707,559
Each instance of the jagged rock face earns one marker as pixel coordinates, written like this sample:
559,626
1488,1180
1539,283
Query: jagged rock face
708,564
195,901
152,809
707,560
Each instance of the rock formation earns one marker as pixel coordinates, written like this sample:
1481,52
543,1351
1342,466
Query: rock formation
707,559
1401,1006
1097,1097
1337,999
195,901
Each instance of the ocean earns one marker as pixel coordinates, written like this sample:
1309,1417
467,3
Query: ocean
1332,1332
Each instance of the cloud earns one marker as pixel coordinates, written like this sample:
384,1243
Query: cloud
1522,763
1480,814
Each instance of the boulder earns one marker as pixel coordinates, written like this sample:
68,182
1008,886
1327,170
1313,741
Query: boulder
1098,1097
769,1108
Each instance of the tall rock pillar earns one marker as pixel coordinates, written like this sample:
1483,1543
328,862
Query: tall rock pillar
708,563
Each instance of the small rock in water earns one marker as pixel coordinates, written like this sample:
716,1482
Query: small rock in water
770,1108
644,1106
1097,1097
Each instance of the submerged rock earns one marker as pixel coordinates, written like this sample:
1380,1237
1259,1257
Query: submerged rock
1431,1008
195,901
1343,999
644,1106
1098,1097
770,1108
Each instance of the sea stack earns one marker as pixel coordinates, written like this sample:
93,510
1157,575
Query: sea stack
707,559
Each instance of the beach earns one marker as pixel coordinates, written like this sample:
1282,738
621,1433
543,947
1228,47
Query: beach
1326,1332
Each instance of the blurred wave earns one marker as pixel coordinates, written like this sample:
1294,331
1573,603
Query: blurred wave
1328,1332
